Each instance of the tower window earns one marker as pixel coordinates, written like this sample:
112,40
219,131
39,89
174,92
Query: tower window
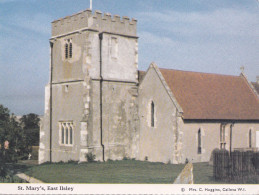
199,141
152,114
68,49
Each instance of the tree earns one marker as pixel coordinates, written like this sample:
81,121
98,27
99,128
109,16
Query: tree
31,128
11,140
16,137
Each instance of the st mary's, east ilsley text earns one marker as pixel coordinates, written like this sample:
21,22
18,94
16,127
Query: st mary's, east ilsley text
46,188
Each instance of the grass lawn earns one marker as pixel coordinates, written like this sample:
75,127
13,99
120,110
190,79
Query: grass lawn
203,174
126,171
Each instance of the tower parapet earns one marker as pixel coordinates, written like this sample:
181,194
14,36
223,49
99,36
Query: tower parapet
94,21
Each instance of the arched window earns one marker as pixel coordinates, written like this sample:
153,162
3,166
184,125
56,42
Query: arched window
70,50
66,135
71,134
66,132
250,138
66,50
152,114
62,135
199,141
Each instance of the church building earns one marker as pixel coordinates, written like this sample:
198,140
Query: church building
98,104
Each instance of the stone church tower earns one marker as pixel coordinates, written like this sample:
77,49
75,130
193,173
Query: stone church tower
91,99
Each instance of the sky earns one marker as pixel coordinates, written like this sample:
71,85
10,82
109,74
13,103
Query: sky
195,35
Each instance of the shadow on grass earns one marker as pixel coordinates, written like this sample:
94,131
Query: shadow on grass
12,170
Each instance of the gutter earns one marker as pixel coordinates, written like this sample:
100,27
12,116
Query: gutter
101,95
50,102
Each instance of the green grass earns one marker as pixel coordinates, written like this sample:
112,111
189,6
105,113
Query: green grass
126,171
203,174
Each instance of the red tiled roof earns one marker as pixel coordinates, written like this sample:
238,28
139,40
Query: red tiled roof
212,96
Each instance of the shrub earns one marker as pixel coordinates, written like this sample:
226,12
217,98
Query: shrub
90,157
72,162
125,158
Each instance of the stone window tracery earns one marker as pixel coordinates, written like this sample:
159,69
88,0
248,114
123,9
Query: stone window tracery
68,49
66,133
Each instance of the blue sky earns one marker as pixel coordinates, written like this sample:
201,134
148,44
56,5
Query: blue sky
197,35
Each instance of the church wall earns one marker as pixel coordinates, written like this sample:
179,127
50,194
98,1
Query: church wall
85,57
176,140
72,104
120,58
119,120
240,134
210,138
209,141
156,143
67,106
71,68
119,125
94,132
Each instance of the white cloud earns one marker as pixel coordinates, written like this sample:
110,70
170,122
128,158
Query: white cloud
220,41
151,38
214,57
220,22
